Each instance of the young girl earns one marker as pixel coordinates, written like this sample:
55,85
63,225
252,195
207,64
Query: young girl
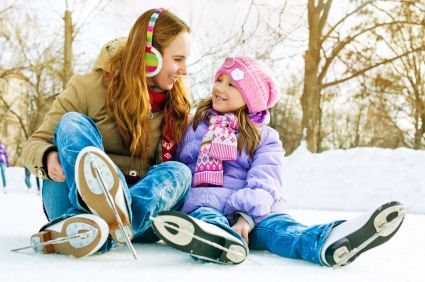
116,129
236,197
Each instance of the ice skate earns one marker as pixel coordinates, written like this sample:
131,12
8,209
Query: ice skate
353,237
198,238
101,189
77,236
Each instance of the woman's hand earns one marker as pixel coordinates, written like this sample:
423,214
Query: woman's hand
243,228
54,167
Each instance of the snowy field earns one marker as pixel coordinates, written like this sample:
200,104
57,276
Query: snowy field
320,188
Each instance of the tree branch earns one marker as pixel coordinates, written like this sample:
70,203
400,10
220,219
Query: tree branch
343,19
19,118
344,42
358,73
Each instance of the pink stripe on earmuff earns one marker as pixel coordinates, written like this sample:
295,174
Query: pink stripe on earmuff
153,58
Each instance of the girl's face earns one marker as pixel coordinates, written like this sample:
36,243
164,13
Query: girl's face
174,62
226,97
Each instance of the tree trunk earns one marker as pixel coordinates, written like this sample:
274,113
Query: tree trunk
310,99
418,121
67,63
310,102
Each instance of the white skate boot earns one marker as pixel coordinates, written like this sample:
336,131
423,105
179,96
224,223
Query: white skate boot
101,189
198,238
77,236
353,237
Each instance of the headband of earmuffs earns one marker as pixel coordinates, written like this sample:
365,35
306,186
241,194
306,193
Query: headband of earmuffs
153,58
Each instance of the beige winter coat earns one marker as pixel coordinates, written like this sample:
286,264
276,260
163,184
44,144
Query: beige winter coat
86,94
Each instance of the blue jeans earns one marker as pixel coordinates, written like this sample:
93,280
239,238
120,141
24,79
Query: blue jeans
277,233
3,175
27,173
28,181
163,187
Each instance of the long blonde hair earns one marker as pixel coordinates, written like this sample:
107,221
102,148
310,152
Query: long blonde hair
127,97
249,133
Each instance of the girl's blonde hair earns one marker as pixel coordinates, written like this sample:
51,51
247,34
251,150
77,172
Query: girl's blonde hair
249,132
127,97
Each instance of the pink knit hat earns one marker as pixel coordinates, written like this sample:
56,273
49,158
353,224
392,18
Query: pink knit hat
254,80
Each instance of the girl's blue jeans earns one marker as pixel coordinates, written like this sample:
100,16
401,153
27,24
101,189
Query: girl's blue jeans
163,187
277,233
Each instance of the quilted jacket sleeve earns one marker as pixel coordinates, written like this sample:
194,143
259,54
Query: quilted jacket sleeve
264,179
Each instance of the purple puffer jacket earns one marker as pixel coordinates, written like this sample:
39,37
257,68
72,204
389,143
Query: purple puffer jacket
3,155
251,186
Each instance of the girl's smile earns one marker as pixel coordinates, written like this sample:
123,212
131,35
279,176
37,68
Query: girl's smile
226,97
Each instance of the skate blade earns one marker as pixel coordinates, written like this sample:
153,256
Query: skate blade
96,200
183,233
77,247
387,220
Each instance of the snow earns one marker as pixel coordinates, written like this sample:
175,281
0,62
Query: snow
355,179
320,188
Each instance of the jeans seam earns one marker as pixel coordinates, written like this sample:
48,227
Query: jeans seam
272,232
65,156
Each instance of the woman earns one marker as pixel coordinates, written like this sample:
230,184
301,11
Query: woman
117,126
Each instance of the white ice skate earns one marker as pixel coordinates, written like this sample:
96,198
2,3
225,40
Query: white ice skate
353,237
101,189
198,238
77,236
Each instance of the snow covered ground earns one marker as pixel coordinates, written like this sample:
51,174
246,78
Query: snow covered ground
320,188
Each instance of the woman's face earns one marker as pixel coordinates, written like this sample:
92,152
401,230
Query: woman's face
174,62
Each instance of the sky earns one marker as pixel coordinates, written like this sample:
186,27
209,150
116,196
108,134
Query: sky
320,188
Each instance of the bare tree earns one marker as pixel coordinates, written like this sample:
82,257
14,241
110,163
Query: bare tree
30,80
67,49
73,27
409,71
286,116
329,48
35,65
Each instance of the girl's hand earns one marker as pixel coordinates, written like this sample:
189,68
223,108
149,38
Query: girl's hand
54,167
243,228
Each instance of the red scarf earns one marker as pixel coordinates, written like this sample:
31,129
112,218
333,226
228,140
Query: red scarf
168,147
